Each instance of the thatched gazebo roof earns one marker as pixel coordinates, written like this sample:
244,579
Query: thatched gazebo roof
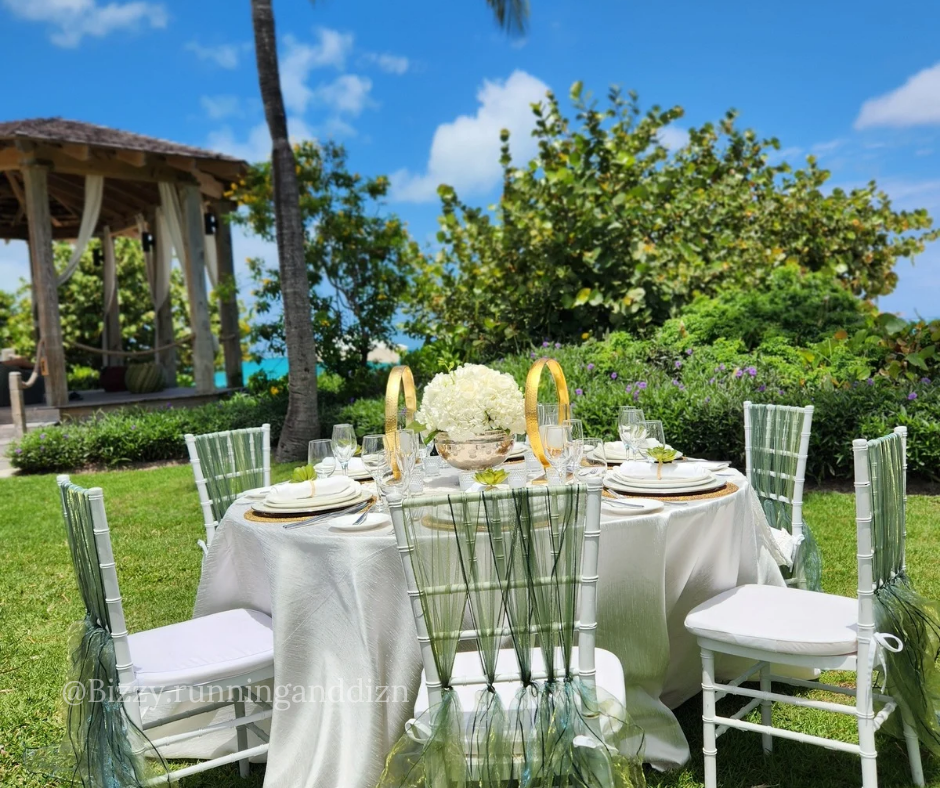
64,179
131,163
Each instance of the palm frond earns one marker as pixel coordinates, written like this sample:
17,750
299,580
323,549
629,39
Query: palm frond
512,15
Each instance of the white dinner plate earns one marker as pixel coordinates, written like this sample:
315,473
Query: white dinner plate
517,450
617,486
617,457
632,507
661,484
712,465
311,505
347,522
356,471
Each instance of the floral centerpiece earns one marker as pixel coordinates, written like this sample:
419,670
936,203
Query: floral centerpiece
472,413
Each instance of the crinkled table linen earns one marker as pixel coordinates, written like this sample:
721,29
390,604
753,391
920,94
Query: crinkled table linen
347,660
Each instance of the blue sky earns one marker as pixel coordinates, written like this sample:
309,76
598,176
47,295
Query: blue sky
419,90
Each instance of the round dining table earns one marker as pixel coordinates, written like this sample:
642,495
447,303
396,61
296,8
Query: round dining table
347,665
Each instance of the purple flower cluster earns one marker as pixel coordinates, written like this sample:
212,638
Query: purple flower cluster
590,367
912,395
613,375
579,392
678,364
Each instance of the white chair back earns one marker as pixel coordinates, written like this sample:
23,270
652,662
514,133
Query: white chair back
438,517
226,464
93,558
880,516
776,446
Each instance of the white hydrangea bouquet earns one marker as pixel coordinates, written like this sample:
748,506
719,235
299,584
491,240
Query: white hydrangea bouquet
469,401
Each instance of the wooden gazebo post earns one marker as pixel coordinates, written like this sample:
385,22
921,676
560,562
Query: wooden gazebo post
228,300
46,286
195,240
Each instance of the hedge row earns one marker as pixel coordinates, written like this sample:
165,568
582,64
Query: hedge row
698,393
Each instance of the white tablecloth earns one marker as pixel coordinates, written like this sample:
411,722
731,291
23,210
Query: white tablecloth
346,658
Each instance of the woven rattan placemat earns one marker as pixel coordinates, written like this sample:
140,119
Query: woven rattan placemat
729,489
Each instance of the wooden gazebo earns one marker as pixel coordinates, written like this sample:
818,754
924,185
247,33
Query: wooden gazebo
66,180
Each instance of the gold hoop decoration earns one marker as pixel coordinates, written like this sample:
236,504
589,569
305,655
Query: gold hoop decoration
399,379
532,402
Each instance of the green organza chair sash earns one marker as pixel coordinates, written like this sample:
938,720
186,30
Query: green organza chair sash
506,564
776,433
232,462
103,746
911,676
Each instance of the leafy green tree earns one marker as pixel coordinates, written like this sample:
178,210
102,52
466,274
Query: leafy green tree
606,229
358,258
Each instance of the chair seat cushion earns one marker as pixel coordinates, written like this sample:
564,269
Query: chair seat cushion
203,650
609,678
781,620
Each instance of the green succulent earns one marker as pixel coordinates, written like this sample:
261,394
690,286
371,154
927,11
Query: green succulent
662,454
303,473
491,477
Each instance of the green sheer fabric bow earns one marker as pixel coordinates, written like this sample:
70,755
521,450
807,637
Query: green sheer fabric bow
911,675
104,747
775,447
508,565
232,462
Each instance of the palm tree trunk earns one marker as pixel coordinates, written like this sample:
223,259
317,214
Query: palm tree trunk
302,423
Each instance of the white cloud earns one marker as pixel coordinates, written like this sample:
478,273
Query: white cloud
465,152
331,50
223,55
673,137
822,148
74,19
348,94
257,145
915,103
218,107
390,64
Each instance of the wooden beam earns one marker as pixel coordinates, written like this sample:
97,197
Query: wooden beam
76,151
195,241
136,158
163,318
209,185
184,163
47,295
109,167
10,158
18,193
228,297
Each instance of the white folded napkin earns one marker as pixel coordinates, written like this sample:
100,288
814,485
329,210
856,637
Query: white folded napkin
614,451
315,488
649,471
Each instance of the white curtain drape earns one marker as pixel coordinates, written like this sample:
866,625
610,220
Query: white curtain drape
159,259
94,191
173,216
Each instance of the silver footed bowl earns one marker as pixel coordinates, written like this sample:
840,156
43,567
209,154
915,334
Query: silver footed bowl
477,453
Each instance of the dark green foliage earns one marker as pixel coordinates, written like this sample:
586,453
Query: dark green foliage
800,308
605,229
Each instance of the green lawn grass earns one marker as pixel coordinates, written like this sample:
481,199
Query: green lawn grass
155,521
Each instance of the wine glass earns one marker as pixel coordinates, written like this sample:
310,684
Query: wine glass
375,457
654,436
320,457
576,438
556,443
406,453
594,463
344,445
631,430
547,414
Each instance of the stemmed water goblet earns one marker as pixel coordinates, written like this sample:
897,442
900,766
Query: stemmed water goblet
556,444
375,458
576,439
632,431
320,457
344,445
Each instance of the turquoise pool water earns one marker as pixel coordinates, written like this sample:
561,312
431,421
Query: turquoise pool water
273,367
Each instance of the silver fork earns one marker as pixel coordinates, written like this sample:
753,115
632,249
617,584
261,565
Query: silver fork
322,517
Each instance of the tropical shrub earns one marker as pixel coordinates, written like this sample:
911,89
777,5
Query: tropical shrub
605,229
